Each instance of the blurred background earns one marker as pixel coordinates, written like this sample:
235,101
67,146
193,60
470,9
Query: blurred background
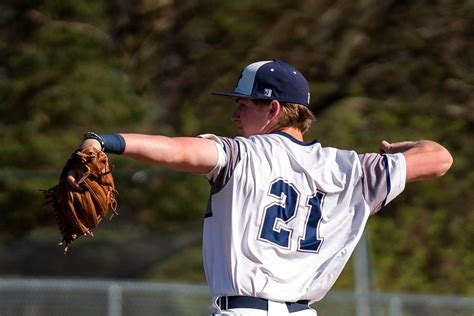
378,69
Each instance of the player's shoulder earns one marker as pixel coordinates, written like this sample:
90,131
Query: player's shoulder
279,139
342,155
225,142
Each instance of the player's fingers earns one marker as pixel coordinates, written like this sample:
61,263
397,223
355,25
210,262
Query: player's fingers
384,147
71,180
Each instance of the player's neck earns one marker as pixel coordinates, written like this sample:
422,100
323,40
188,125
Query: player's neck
294,132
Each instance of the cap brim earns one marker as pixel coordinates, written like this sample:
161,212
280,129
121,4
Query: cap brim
231,95
240,95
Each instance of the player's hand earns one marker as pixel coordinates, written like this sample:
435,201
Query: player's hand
72,175
398,147
90,142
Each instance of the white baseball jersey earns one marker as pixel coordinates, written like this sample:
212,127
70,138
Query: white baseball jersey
285,216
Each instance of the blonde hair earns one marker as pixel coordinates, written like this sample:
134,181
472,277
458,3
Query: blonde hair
296,115
293,115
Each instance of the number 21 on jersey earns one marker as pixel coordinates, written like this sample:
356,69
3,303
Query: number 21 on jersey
277,217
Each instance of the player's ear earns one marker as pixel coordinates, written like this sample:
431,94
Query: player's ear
274,109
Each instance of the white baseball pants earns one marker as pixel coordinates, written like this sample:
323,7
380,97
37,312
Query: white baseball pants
274,309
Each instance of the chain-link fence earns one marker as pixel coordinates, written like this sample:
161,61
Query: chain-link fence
37,297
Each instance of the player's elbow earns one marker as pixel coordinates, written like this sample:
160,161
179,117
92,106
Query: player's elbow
441,163
432,163
445,162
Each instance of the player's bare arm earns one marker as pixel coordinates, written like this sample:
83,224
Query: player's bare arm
425,159
185,154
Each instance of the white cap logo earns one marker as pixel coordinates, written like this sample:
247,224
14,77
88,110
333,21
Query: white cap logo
267,92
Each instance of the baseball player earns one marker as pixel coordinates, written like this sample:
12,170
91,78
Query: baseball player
284,215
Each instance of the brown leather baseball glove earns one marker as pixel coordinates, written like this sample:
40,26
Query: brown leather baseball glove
78,212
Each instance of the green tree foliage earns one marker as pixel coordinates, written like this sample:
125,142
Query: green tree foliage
387,69
61,76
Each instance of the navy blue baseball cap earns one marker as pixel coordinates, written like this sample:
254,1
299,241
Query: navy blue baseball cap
271,80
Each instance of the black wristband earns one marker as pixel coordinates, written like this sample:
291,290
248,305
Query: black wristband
111,143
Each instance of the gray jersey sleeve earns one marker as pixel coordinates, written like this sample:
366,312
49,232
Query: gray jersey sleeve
229,155
228,150
383,178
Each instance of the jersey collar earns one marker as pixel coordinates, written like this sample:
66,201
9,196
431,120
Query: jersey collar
294,140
